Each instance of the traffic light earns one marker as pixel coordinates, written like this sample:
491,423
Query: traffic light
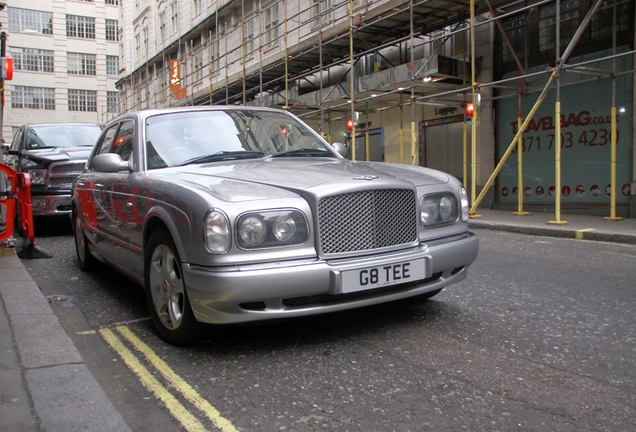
470,109
349,125
6,64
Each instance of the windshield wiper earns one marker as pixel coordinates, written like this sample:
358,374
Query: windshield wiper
304,152
223,155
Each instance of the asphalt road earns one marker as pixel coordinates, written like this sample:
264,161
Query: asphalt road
541,337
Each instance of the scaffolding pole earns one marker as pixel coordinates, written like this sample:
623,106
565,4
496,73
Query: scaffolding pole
351,78
557,120
286,64
473,135
613,135
414,153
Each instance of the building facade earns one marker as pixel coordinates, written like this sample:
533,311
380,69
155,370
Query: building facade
66,61
402,73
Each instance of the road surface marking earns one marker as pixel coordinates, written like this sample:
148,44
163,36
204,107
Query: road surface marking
579,233
177,382
189,422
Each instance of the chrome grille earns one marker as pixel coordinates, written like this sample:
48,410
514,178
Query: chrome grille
62,174
61,182
66,168
367,220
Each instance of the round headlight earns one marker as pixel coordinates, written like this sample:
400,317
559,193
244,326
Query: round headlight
446,208
252,230
429,211
217,232
284,228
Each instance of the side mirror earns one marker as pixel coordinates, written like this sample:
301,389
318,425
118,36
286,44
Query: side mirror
109,163
341,149
6,147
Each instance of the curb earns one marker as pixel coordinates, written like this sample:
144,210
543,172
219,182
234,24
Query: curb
584,234
64,395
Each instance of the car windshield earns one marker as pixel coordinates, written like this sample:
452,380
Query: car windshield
50,136
191,137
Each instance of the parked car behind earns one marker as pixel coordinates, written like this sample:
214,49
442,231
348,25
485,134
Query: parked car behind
231,215
53,155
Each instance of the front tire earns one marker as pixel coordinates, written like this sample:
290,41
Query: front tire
166,292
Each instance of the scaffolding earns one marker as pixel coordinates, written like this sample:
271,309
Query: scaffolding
333,61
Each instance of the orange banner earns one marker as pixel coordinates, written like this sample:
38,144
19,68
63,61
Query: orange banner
175,80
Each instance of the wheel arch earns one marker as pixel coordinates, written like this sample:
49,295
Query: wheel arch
160,219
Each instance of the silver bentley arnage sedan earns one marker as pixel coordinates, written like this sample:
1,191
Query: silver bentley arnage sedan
230,215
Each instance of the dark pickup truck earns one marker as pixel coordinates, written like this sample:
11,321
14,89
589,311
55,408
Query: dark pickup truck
53,155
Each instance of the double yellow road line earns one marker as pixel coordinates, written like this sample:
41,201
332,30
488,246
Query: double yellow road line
176,408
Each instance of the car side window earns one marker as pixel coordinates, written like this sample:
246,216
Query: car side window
109,138
123,145
119,139
17,140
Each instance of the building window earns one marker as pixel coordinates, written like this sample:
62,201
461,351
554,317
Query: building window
25,20
162,26
32,59
82,100
137,47
516,27
197,65
112,2
570,20
112,26
112,102
249,37
174,18
112,65
196,7
81,64
80,26
144,42
33,97
323,11
214,58
270,24
140,5
603,20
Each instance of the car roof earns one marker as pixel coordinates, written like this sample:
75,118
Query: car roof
143,114
61,124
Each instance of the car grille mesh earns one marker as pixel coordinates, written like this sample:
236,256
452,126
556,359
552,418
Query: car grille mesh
66,168
61,174
367,220
61,182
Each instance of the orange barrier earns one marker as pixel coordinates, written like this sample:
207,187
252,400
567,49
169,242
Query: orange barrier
18,189
8,198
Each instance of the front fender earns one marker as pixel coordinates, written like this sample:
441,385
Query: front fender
179,225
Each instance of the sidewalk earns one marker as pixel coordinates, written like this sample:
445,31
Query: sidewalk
582,227
45,385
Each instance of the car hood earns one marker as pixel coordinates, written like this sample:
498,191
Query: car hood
57,154
283,177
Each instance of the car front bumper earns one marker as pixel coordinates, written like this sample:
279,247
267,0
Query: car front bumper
307,287
51,205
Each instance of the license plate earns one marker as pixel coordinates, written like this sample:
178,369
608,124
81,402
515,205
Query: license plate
384,275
